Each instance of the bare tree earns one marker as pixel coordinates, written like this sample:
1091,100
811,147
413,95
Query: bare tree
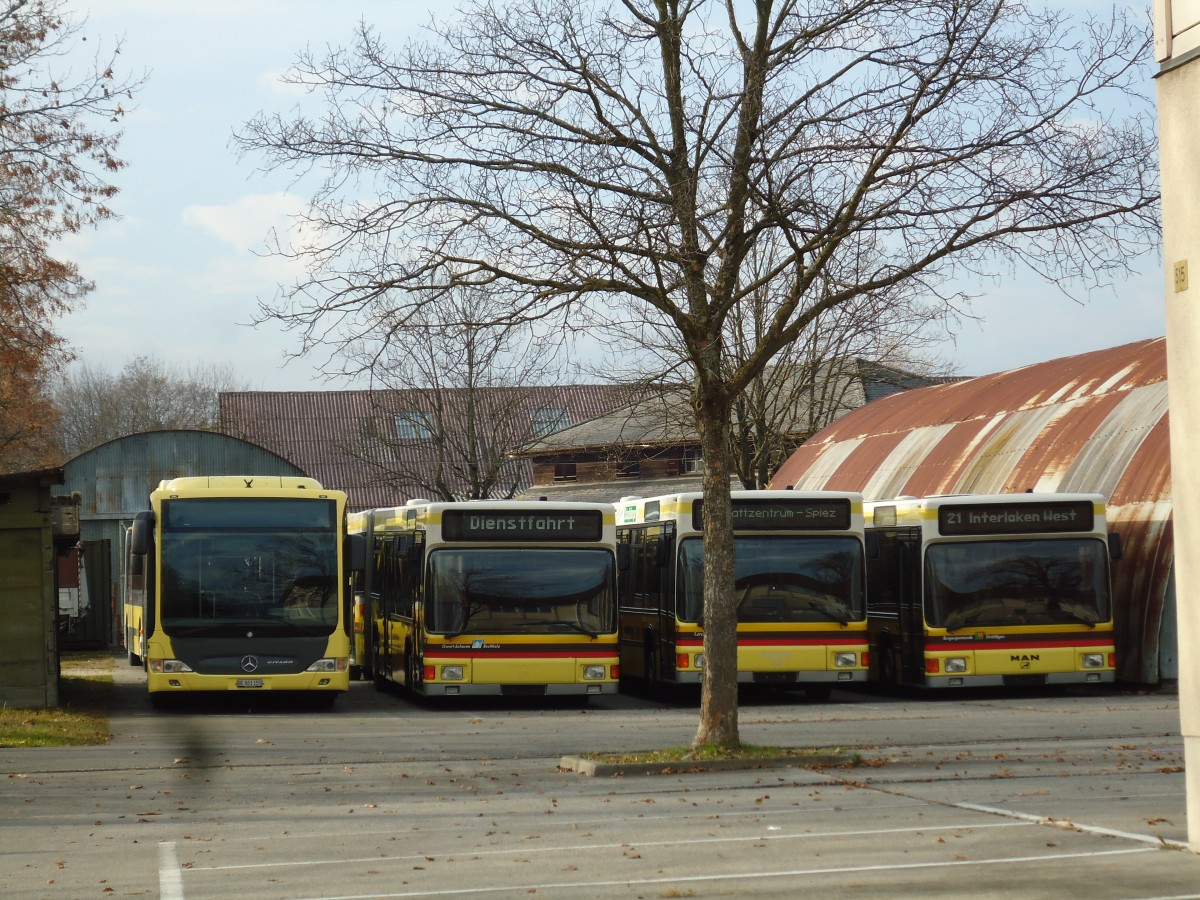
95,406
456,401
614,165
877,336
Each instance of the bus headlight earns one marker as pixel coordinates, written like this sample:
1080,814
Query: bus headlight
330,664
168,666
594,673
845,660
452,673
956,664
1092,661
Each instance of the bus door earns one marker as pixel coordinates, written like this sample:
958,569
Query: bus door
645,599
662,538
912,616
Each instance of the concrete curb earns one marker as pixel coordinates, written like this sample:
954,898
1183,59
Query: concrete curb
592,767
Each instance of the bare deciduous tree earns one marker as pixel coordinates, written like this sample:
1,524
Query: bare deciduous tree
878,338
614,166
147,395
456,399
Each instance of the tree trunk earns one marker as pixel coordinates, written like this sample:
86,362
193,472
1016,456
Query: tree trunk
718,699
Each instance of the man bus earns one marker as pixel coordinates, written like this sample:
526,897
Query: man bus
507,597
990,590
799,585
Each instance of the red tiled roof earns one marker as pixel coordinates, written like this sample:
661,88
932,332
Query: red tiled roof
329,434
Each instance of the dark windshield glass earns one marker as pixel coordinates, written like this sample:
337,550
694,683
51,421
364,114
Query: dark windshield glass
1024,582
279,580
781,578
510,590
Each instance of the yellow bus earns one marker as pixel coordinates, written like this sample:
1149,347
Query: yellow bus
799,584
245,587
991,590
481,597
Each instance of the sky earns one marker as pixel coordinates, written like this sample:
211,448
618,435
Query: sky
180,274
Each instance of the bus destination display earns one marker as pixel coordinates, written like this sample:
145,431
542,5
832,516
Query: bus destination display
501,525
780,515
1015,518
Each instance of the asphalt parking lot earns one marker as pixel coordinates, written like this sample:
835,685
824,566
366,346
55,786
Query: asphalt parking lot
987,795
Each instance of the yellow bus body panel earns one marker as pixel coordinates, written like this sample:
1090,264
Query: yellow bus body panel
814,658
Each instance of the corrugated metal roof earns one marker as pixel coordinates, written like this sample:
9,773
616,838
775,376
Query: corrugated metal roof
1096,422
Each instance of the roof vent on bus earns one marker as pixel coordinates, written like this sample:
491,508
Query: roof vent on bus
418,501
629,499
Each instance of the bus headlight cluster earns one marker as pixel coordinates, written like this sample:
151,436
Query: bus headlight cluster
168,666
452,673
594,673
330,664
845,660
956,664
1093,661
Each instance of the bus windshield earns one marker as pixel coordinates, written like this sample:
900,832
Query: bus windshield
277,576
781,578
1017,582
507,591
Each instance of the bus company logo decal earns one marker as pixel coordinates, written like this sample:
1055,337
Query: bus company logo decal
249,664
477,644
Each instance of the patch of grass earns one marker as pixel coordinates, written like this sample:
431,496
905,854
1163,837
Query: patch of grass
717,752
82,716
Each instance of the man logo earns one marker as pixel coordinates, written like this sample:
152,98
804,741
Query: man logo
249,663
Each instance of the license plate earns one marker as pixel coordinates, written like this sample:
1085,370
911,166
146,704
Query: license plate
249,682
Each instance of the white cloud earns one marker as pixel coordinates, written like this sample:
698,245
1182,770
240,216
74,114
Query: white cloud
246,223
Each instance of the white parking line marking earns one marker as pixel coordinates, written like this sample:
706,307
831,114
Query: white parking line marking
170,876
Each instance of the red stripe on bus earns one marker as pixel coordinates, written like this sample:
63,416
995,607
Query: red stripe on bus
1026,644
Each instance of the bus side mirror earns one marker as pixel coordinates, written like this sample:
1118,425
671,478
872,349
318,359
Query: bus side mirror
1115,550
872,545
354,549
662,556
139,537
623,557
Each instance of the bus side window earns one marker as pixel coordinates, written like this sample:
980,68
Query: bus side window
655,560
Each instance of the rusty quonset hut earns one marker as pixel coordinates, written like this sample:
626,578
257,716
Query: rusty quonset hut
1095,422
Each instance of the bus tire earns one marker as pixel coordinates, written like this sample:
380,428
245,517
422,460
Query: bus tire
376,668
652,680
134,659
887,666
818,692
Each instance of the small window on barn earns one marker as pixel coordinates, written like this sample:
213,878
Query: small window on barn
693,460
630,469
548,419
413,425
565,472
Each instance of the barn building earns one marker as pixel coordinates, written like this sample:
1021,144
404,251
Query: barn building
1096,422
